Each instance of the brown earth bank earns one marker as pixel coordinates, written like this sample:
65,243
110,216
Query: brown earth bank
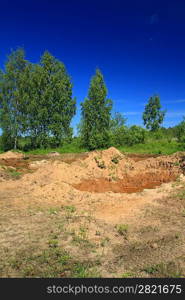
128,184
95,214
141,156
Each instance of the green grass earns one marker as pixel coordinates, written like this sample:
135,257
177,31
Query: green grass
153,147
181,195
150,147
54,210
122,229
13,173
52,262
84,270
70,208
53,243
49,263
169,269
127,275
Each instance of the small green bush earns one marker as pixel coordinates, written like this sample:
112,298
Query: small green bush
117,136
180,132
135,135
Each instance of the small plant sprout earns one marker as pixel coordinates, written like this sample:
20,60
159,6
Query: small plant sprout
122,229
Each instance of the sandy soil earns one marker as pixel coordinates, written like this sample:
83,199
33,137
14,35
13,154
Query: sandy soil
10,154
106,186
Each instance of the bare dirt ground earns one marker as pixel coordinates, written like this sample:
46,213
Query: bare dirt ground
97,214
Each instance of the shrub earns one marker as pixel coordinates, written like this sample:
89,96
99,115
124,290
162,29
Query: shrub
118,136
157,135
180,132
6,142
135,135
99,140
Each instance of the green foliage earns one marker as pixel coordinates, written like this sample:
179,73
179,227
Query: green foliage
153,147
153,116
118,130
36,109
123,135
180,132
50,104
96,115
135,135
118,136
117,121
157,135
6,139
36,101
73,147
11,117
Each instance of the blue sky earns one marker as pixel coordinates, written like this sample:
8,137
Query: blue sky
138,45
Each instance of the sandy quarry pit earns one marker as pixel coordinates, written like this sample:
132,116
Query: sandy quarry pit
81,200
108,183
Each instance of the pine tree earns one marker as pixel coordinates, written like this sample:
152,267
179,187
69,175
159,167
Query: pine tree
96,114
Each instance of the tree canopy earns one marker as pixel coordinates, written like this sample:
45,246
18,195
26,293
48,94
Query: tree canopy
36,100
96,114
153,116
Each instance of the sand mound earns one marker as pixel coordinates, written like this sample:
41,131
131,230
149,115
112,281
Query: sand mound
37,164
111,152
163,162
101,171
107,163
53,154
107,154
110,170
1,174
11,154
